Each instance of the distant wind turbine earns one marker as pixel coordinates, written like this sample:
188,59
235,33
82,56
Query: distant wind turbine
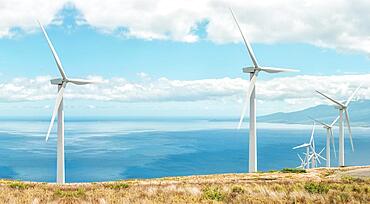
317,156
308,146
307,154
304,162
329,134
311,154
58,108
342,109
251,97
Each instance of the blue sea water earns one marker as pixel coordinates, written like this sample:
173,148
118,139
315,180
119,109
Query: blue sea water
105,150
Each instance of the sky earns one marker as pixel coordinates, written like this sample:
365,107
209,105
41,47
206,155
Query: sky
169,58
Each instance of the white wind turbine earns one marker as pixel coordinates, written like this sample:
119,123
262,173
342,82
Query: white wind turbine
251,97
314,156
311,154
307,154
308,146
304,162
58,108
342,109
329,134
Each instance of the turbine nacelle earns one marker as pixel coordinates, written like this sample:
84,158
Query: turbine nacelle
58,81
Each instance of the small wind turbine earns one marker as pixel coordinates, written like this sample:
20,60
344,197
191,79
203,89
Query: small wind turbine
307,154
315,156
303,162
329,134
58,108
311,154
308,146
342,109
251,97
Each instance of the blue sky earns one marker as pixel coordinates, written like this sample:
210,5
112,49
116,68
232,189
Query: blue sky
152,76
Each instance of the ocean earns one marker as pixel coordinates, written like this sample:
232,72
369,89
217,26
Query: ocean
107,150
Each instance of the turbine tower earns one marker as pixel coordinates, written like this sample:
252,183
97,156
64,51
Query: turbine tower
342,110
329,134
58,108
251,97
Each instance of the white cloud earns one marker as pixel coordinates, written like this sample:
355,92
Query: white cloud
297,91
22,14
146,19
338,24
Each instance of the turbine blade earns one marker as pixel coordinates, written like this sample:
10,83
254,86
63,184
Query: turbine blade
321,151
58,100
349,129
246,42
332,140
300,146
300,158
56,58
247,98
334,121
353,94
334,101
317,159
277,70
81,81
321,157
322,123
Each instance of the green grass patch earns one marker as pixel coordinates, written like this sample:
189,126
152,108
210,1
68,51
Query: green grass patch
293,170
18,185
213,193
118,186
316,188
76,193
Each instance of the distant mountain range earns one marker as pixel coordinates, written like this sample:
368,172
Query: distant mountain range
359,113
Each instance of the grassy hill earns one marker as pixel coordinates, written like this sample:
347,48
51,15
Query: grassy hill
287,186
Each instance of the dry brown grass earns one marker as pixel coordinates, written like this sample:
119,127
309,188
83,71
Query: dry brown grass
315,186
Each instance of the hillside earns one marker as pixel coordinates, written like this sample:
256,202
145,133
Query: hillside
359,112
315,186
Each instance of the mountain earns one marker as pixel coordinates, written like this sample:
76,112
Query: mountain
359,113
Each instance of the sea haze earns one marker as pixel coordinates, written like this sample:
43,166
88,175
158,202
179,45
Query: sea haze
105,150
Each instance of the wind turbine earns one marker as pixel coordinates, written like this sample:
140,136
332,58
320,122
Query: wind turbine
307,154
308,146
58,108
315,156
342,109
251,97
329,134
304,162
